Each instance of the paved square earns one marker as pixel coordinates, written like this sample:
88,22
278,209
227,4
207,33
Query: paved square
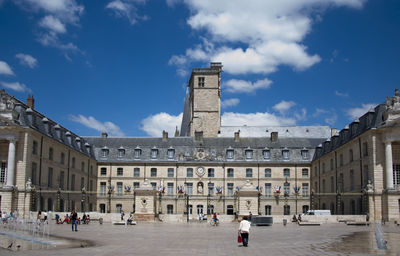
163,239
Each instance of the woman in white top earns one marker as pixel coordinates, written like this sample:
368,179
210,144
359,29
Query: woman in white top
244,230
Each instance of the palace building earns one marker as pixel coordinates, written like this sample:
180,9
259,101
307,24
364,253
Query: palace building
204,168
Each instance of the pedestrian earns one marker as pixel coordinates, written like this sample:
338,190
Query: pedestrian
122,215
244,230
74,219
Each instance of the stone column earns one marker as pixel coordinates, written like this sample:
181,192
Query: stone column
389,165
11,163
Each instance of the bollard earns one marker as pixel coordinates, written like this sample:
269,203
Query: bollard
284,222
101,221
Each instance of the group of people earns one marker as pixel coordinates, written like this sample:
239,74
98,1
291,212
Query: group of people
84,220
5,217
296,219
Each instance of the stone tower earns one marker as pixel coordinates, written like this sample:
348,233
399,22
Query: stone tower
202,111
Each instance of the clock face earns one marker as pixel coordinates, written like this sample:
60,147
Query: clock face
200,171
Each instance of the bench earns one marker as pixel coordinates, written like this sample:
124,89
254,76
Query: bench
123,223
357,223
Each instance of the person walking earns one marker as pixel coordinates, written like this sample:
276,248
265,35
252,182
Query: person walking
74,219
244,230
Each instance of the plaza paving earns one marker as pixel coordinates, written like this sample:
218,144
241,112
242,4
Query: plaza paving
163,239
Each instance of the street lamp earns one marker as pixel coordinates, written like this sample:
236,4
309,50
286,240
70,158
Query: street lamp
187,202
286,185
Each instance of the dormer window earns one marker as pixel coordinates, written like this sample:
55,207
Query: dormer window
121,152
304,154
249,154
230,154
104,152
137,153
285,154
171,153
154,153
267,154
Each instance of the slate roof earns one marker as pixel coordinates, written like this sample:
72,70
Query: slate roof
186,149
372,119
30,118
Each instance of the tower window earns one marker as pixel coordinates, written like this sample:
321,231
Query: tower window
201,81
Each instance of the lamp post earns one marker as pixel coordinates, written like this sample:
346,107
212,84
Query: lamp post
83,199
286,195
187,202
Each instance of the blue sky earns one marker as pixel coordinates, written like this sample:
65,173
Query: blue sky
122,66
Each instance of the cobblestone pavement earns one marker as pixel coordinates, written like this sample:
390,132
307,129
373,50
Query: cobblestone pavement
164,239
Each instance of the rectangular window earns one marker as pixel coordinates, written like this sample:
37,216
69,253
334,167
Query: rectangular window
137,153
323,186
341,182
136,185
210,172
315,171
62,158
249,173
286,173
331,164
211,189
61,181
153,172
189,172
119,188
154,153
136,172
82,182
201,81
170,187
229,154
304,173
51,153
285,154
230,173
91,185
73,182
83,166
268,189
365,149
153,185
3,172
396,175
104,152
170,172
189,188
102,188
267,154
120,171
341,159
305,189
267,173
34,147
73,162
171,154
351,180
103,171
230,189
332,185
305,155
323,167
50,178
249,154
170,209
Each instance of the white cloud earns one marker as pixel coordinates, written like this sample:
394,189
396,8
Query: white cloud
341,94
255,119
93,123
155,124
319,111
53,24
354,113
15,86
229,102
58,14
302,115
127,9
5,69
331,119
26,60
284,106
269,32
242,86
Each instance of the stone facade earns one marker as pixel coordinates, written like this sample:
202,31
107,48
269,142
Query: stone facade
357,171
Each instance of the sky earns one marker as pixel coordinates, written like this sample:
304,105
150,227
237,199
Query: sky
122,66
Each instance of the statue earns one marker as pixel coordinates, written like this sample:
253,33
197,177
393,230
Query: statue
392,107
28,184
200,188
248,204
370,187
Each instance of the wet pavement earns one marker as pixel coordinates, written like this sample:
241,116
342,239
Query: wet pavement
202,239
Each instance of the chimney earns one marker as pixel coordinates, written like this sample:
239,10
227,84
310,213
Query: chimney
237,136
30,102
198,136
78,142
58,130
274,136
104,135
68,135
164,135
87,145
29,114
216,65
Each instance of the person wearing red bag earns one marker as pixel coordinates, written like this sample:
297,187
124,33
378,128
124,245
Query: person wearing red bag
244,230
